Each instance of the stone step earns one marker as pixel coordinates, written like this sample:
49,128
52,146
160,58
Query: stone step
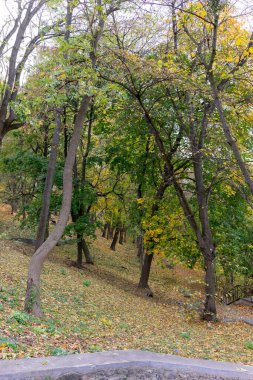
119,365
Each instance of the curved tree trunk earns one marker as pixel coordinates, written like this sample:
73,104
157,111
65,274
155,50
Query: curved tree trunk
32,299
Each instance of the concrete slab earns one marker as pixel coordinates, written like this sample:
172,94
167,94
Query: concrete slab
120,365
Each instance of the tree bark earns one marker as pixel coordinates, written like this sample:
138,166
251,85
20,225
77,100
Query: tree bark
105,230
110,232
115,239
121,236
209,313
88,257
145,271
125,235
79,260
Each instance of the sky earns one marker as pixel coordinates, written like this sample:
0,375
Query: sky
245,6
8,7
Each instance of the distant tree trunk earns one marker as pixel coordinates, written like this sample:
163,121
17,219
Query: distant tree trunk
14,207
125,235
115,239
44,213
121,236
79,260
105,230
108,230
88,257
111,232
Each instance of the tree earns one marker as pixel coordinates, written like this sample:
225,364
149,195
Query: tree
10,88
32,301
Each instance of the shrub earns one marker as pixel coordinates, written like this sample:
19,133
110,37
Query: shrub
20,317
86,282
249,344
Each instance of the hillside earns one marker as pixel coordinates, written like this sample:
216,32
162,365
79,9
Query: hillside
99,307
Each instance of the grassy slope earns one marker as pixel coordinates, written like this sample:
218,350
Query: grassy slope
99,307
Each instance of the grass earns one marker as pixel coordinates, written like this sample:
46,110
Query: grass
99,308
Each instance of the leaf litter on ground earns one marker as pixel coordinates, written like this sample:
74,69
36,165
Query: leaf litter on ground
100,308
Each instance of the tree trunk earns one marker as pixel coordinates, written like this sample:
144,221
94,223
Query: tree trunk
108,230
32,299
115,239
147,259
206,244
209,313
145,271
121,236
105,230
230,139
87,254
14,207
111,232
44,213
79,259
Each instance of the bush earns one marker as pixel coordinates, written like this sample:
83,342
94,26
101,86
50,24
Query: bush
249,344
20,317
86,282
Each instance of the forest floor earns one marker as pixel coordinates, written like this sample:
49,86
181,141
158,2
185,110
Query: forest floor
99,307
